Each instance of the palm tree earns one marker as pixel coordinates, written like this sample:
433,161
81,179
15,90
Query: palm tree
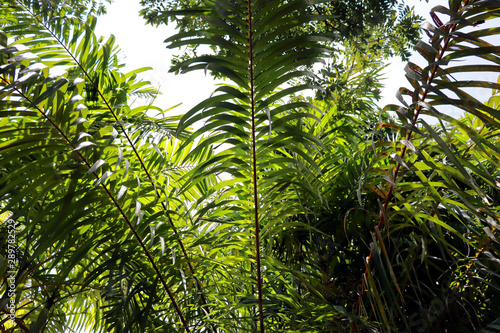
434,244
254,211
73,174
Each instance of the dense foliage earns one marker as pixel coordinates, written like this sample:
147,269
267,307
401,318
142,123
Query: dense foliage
259,210
378,26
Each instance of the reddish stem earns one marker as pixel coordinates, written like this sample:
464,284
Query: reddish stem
254,169
388,198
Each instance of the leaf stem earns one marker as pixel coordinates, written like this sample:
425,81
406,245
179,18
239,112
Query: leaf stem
18,321
254,168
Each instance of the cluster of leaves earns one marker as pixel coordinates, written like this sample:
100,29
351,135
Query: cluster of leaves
277,212
384,25
80,9
373,30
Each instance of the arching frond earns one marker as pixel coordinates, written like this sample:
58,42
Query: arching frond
435,240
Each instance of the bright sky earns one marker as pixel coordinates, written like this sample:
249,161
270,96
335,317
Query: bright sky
143,47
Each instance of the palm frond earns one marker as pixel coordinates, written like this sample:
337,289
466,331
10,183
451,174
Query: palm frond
440,181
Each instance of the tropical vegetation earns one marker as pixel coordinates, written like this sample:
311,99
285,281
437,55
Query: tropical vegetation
260,209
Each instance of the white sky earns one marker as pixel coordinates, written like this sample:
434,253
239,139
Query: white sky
143,46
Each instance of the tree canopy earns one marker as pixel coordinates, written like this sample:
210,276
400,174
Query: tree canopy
260,209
